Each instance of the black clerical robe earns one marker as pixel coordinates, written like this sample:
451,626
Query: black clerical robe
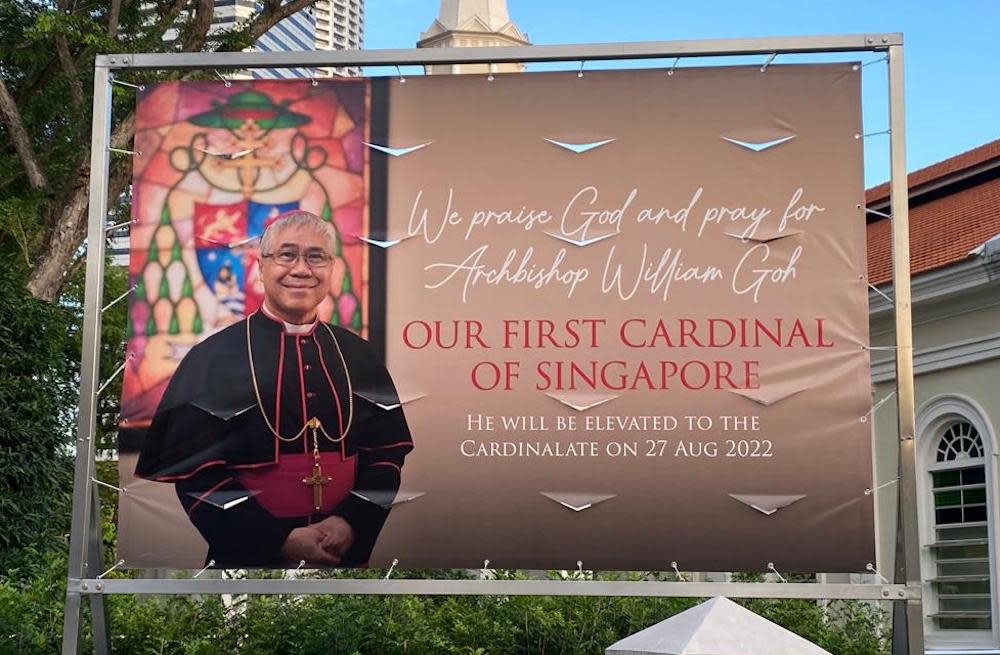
242,486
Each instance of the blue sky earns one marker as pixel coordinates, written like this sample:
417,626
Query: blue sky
952,51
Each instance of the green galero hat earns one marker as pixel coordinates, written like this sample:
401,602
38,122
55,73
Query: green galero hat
249,105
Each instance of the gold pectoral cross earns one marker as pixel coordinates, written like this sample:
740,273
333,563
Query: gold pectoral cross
317,480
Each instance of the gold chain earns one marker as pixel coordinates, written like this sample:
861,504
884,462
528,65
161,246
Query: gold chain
350,390
309,422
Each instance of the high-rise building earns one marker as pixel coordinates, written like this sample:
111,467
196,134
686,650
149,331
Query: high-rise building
297,32
328,25
473,23
340,26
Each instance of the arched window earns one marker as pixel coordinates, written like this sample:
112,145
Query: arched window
960,441
961,546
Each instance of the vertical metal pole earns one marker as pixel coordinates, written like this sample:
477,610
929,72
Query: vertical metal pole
908,619
95,563
89,369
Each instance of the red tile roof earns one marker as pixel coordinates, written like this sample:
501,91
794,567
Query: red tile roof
961,161
943,230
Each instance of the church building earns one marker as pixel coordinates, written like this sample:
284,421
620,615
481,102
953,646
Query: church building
955,263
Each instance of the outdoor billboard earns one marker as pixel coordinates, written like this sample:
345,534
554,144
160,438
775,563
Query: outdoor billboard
623,317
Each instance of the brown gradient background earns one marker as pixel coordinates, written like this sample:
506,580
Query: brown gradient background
487,144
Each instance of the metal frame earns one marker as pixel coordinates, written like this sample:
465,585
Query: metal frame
907,617
334,586
84,562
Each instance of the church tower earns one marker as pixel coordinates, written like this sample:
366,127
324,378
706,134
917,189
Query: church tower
476,24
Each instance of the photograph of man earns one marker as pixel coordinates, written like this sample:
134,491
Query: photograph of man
283,435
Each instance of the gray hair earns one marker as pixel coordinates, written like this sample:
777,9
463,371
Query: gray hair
298,218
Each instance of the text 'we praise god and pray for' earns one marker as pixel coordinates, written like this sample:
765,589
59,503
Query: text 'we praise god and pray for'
583,221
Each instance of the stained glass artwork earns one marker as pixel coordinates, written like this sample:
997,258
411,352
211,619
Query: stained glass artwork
218,163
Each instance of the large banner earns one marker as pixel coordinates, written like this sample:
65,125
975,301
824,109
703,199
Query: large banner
623,319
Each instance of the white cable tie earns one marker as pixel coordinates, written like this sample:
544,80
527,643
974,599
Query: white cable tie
115,374
112,303
677,572
879,292
871,412
579,566
399,72
489,69
877,212
114,226
871,567
770,566
869,492
580,72
137,153
673,66
117,564
210,564
224,244
486,565
302,563
223,78
392,568
879,347
115,80
109,486
313,82
770,58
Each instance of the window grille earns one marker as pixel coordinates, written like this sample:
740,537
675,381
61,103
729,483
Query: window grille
961,526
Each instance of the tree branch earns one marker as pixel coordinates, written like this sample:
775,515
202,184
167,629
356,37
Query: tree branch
66,59
76,265
68,225
22,141
203,11
68,218
113,13
122,134
43,77
271,16
166,21
69,69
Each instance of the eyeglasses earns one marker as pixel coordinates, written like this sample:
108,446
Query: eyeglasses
312,258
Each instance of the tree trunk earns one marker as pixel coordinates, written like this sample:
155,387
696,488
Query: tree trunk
68,221
22,142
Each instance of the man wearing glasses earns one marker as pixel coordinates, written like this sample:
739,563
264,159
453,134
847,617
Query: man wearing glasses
283,436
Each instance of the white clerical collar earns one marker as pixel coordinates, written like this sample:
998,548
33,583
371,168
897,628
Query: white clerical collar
290,328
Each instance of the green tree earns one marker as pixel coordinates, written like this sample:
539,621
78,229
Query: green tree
39,375
48,50
37,393
398,625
